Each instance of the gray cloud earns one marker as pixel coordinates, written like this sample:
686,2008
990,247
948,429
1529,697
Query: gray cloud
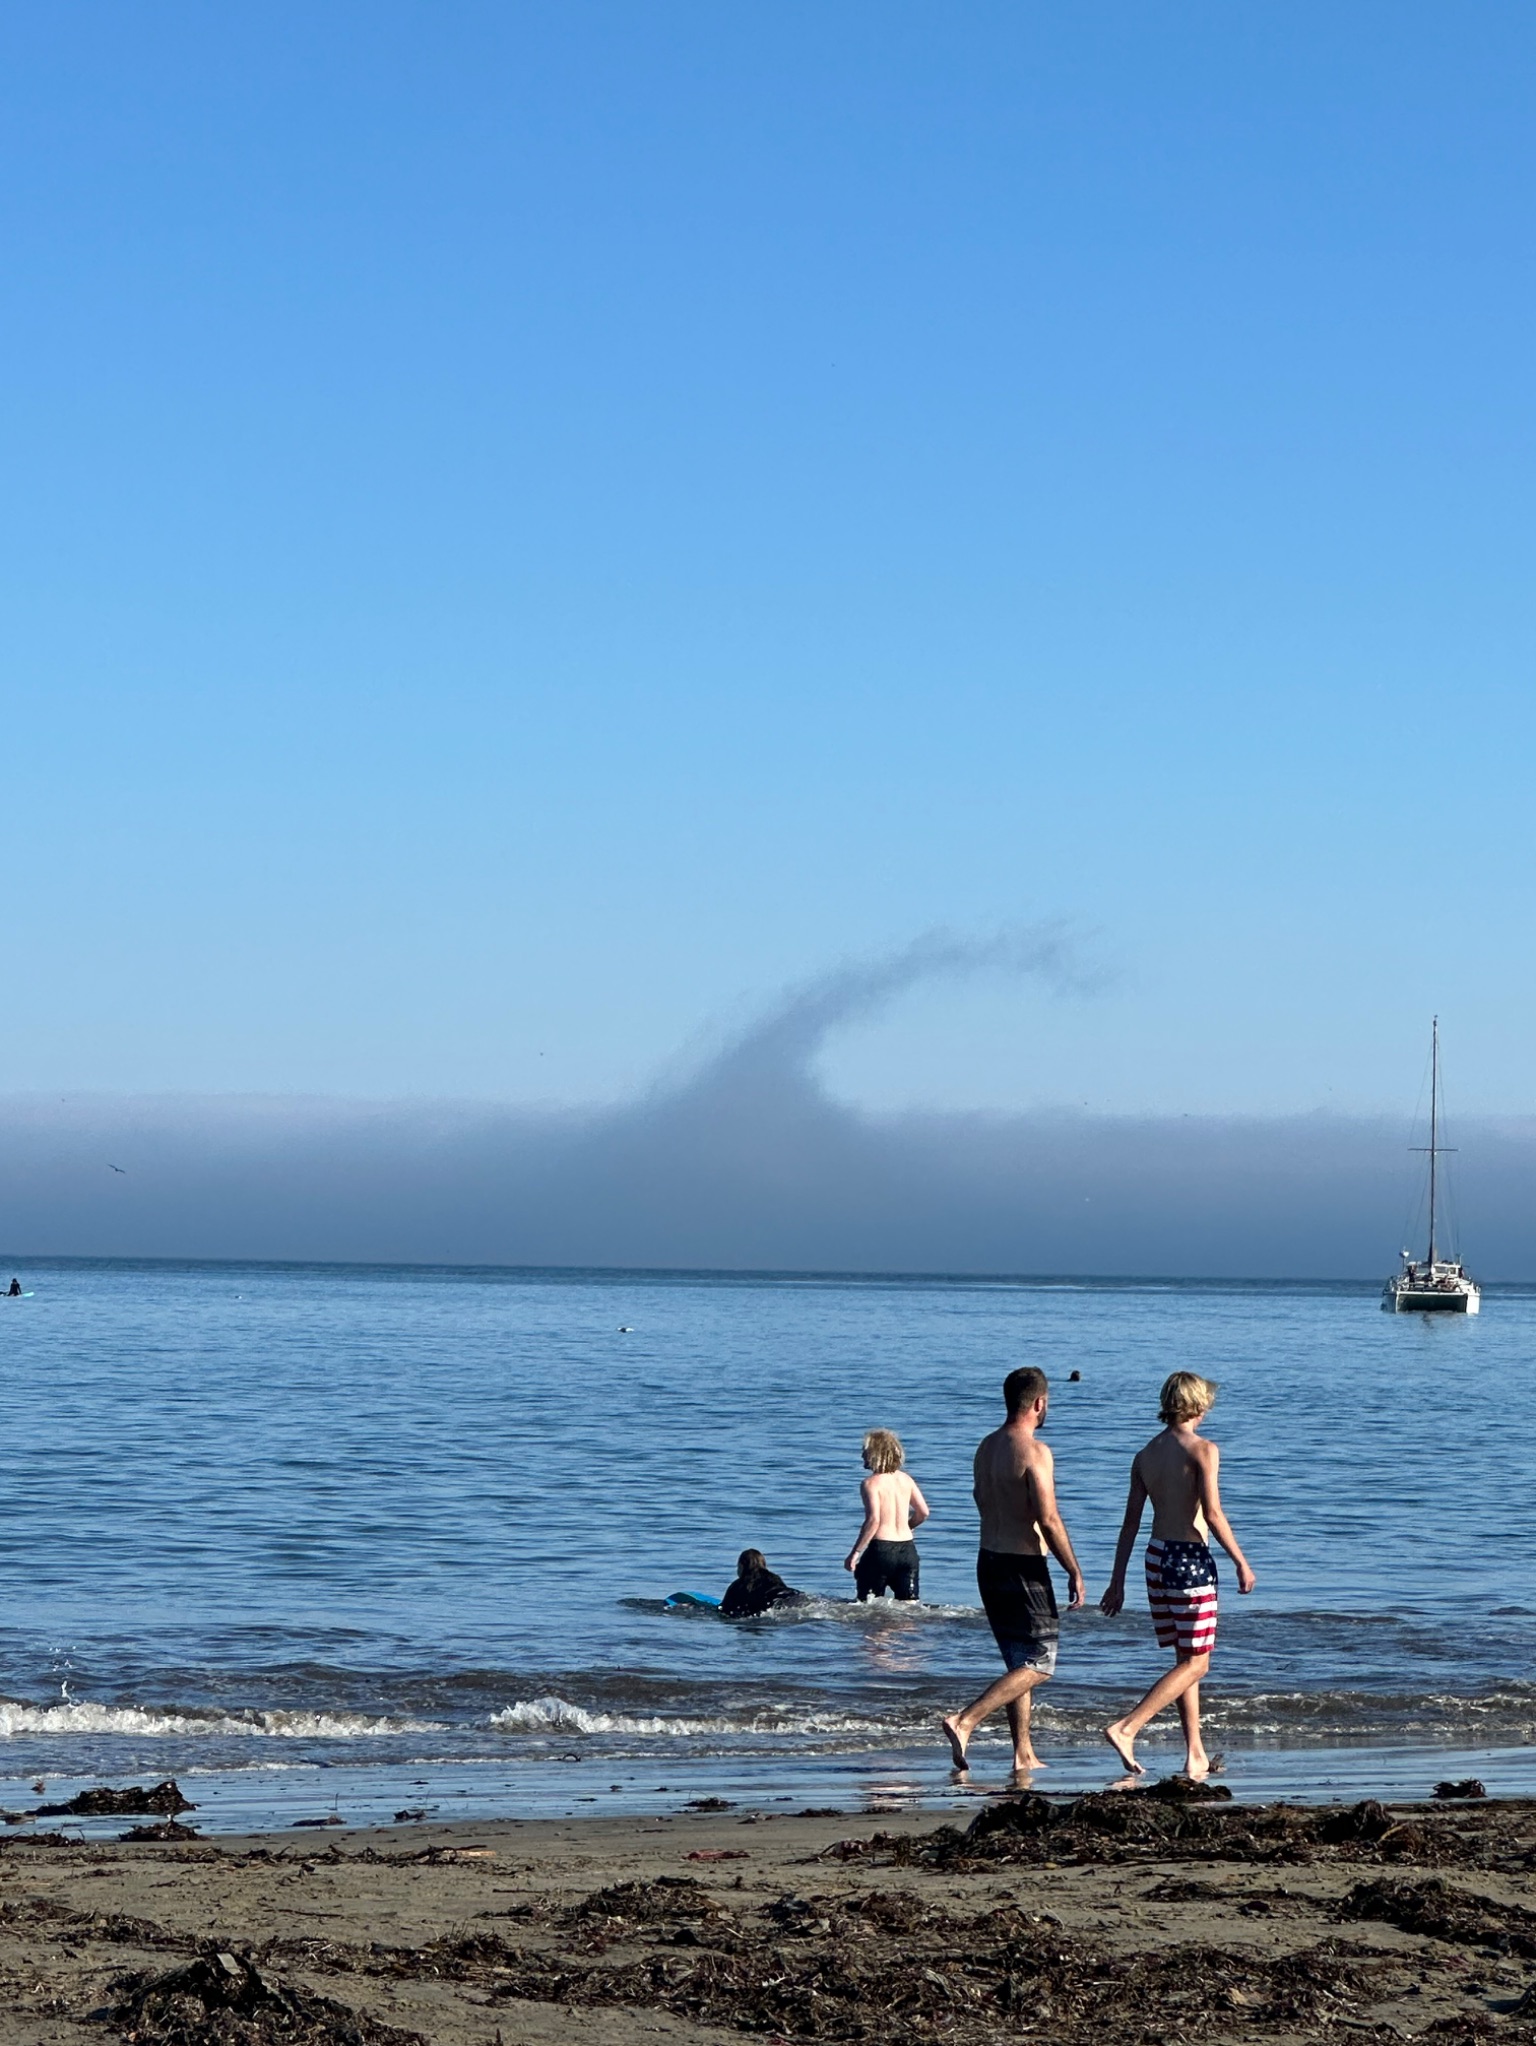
776,1052
741,1161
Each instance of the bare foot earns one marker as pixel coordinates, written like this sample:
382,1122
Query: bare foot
957,1742
1122,1742
1025,1765
1197,1767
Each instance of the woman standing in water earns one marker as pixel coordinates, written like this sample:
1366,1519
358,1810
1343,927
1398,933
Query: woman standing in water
884,1558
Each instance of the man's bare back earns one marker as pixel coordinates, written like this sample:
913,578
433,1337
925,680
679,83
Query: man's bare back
1009,1469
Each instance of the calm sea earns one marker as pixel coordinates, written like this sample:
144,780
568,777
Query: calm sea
359,1540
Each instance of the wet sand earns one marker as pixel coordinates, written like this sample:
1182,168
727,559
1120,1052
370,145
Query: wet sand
1120,1916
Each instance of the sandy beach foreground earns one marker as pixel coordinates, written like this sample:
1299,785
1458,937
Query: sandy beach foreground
1114,1917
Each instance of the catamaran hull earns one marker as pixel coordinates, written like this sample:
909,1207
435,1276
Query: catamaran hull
1431,1301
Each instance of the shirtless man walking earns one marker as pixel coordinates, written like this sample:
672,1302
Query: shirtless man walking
1016,1494
1177,1472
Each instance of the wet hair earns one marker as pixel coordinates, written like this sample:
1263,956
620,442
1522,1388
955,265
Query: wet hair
1023,1387
883,1450
1184,1396
750,1562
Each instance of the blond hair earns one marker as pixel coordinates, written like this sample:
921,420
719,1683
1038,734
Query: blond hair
883,1450
1184,1397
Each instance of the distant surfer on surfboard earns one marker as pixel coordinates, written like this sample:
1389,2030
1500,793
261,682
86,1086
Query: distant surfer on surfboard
13,1290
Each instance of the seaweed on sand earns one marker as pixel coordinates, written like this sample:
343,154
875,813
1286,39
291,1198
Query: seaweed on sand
222,1999
1438,1911
133,1803
884,1964
964,1979
911,1958
1112,1826
652,1903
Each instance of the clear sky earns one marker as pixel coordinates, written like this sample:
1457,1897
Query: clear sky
528,529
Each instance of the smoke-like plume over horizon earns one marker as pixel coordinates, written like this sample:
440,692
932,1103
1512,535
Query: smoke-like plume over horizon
780,1047
742,1161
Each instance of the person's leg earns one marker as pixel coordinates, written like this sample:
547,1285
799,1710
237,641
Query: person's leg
1121,1733
1182,1595
868,1576
1014,1685
1025,1760
1016,1596
1197,1763
904,1573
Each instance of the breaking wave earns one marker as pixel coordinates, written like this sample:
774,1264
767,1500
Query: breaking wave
558,1715
704,1718
181,1723
1268,1718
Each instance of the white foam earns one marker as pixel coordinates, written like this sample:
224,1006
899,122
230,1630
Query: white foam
175,1723
557,1715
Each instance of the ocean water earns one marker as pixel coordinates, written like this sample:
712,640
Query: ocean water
354,1540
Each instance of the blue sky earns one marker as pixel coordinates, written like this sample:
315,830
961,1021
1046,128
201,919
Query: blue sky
529,529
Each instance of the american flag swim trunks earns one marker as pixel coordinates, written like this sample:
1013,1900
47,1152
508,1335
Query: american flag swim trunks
1181,1590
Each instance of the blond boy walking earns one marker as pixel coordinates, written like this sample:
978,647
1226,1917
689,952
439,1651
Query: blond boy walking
1177,1472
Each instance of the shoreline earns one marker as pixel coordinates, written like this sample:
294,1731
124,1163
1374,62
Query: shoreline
586,1784
1108,1918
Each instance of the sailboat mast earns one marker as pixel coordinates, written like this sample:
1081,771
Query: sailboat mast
1434,1125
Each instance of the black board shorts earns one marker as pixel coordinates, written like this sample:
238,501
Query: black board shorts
1020,1603
887,1566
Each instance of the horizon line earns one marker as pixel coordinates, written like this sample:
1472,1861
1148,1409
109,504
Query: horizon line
823,1274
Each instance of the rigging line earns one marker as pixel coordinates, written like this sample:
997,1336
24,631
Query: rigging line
1449,1192
1416,1194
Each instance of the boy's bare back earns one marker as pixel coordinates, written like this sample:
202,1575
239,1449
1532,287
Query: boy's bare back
1176,1469
888,1501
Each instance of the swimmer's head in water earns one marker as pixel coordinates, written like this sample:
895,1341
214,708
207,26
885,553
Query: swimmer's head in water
750,1562
1184,1397
883,1450
1023,1387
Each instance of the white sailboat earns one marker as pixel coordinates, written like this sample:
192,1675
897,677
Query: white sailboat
1432,1284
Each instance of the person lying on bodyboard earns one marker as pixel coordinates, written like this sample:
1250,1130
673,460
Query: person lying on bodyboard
756,1588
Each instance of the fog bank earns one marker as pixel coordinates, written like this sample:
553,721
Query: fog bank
744,1162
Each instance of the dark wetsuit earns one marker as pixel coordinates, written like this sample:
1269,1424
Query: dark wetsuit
746,1597
887,1566
1021,1605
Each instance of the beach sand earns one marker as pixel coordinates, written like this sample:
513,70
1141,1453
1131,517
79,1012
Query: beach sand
1120,1916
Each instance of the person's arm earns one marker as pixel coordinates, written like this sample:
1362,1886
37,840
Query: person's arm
867,1531
917,1507
1136,1499
1216,1520
1051,1524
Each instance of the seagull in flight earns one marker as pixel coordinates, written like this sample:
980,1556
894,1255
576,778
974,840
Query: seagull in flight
117,1168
